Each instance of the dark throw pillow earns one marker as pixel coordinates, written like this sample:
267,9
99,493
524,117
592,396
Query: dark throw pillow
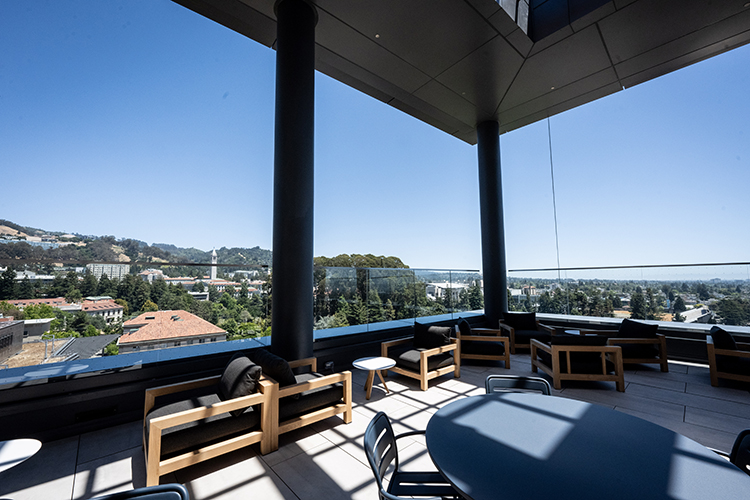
240,378
464,327
520,321
275,367
723,339
428,337
630,329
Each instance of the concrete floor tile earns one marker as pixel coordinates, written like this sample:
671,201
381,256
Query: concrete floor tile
726,423
298,441
726,393
109,441
691,400
121,471
328,473
242,475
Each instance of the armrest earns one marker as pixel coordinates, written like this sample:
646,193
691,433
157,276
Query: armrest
311,362
535,344
186,416
633,341
505,327
487,338
549,329
313,384
384,346
485,332
729,352
439,350
154,392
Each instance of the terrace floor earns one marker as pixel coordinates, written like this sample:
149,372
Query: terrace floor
326,460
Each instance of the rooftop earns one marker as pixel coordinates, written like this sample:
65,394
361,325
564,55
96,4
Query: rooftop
160,325
326,460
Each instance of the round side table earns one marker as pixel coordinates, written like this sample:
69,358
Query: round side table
15,451
374,364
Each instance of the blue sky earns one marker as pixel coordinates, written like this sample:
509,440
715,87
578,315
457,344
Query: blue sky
140,119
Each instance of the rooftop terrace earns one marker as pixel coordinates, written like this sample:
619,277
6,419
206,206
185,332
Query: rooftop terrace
326,460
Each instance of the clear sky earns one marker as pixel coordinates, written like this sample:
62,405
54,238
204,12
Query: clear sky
141,119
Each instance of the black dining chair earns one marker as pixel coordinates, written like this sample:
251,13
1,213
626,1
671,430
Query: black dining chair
381,451
172,491
515,383
740,455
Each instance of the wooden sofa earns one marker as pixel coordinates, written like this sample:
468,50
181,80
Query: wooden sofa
430,353
187,423
569,357
484,344
727,358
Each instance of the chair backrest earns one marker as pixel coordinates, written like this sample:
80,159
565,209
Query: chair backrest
514,383
740,455
159,492
380,446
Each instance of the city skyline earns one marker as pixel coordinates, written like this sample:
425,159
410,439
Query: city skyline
144,120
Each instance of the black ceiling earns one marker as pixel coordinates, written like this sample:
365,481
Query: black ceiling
456,63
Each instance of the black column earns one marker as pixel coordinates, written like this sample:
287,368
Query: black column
292,303
493,231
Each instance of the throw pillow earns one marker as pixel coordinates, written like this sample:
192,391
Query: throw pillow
240,378
428,337
630,329
723,339
275,367
464,327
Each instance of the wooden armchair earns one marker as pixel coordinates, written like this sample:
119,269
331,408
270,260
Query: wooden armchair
640,342
521,328
577,357
429,354
727,358
482,343
195,425
317,398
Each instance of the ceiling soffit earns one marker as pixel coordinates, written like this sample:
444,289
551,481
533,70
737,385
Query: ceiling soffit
456,63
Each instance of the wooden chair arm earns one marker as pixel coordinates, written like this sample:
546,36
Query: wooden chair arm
313,384
729,352
633,341
482,338
505,327
587,348
743,346
311,362
154,392
549,329
535,344
439,350
384,346
485,332
183,417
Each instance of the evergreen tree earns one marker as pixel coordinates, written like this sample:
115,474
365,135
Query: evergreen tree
26,289
637,306
8,284
679,305
476,299
89,285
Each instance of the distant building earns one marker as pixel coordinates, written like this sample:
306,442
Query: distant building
113,271
440,290
164,329
44,279
58,302
151,274
214,262
33,329
104,307
11,339
697,315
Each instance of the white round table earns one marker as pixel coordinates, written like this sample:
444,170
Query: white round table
15,451
374,364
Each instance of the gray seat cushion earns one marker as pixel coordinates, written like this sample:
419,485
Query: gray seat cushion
525,336
311,400
408,358
483,347
194,435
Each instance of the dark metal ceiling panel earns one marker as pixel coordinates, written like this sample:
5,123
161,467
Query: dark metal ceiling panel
556,67
453,63
485,75
431,35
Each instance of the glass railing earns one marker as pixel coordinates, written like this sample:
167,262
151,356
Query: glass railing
346,297
704,293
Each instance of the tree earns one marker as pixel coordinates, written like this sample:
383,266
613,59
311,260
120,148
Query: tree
112,349
39,311
90,331
26,289
213,293
198,287
149,306
677,317
106,287
476,299
124,304
637,306
89,285
8,284
702,291
679,305
8,310
653,309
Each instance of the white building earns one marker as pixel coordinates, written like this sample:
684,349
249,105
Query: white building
113,271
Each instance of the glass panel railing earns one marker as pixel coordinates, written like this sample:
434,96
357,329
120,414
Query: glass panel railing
708,293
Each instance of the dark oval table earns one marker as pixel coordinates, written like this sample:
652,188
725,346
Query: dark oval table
526,446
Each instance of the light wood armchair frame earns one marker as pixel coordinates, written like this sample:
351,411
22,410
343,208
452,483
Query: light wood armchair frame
487,335
291,424
660,342
743,351
156,467
612,352
424,375
512,335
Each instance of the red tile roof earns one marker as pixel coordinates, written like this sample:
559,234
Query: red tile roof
161,325
100,305
56,302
